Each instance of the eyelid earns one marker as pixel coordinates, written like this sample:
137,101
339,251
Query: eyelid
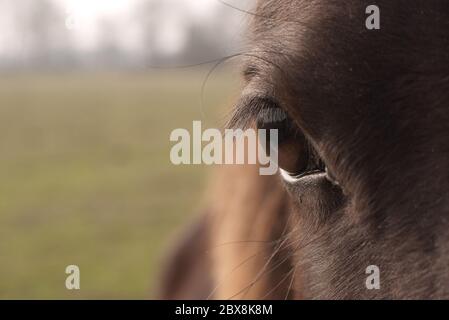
250,108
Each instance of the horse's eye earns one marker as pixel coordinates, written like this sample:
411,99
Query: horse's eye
297,157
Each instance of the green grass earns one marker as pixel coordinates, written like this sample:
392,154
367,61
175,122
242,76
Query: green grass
85,178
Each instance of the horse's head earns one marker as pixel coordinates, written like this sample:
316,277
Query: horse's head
365,147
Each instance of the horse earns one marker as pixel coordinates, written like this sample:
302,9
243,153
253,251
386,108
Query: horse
364,158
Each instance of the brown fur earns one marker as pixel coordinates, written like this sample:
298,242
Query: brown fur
245,220
250,215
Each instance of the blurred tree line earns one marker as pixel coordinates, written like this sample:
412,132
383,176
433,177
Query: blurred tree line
38,34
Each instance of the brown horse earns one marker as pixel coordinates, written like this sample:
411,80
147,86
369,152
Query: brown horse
365,153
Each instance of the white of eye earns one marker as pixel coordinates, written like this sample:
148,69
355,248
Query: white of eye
330,178
291,178
288,177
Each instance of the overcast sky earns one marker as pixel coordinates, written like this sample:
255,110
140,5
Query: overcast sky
82,22
84,17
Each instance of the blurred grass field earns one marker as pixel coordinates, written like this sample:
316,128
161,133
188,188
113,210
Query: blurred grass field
85,178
